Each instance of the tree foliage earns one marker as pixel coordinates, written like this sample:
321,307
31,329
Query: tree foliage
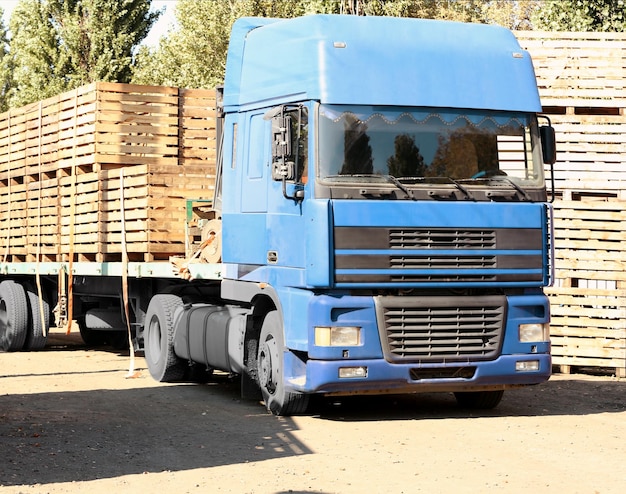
5,68
582,15
194,54
57,45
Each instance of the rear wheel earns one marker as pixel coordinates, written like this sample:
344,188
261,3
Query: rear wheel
13,316
479,400
270,363
37,330
163,363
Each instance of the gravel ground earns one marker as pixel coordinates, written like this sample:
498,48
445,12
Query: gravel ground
71,421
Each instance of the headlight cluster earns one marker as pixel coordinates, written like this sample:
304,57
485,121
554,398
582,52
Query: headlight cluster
337,336
529,333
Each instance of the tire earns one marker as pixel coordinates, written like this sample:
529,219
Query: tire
270,362
91,337
13,316
118,339
36,335
479,400
164,365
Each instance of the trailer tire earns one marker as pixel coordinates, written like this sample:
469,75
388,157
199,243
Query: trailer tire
479,400
163,363
13,316
36,335
270,373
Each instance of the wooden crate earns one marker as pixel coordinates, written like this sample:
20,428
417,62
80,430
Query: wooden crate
588,302
582,84
61,161
13,238
578,69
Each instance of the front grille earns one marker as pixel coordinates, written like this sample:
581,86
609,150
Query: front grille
441,329
441,238
442,262
427,256
444,278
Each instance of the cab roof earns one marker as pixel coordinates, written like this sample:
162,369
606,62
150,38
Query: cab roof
368,60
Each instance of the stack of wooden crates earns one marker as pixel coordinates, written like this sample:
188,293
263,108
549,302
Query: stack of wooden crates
103,168
582,84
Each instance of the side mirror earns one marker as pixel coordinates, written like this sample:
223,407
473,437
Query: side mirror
281,137
283,170
548,144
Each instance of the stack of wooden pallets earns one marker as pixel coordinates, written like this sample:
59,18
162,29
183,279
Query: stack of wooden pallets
582,83
104,167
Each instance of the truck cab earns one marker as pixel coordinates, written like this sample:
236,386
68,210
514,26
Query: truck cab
385,224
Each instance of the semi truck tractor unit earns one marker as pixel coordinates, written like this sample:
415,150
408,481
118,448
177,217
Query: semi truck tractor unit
379,223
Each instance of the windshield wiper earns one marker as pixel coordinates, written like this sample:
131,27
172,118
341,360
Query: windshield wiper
401,186
467,193
503,178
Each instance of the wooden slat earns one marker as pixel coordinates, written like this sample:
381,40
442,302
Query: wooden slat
162,137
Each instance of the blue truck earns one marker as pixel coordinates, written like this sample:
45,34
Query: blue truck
383,216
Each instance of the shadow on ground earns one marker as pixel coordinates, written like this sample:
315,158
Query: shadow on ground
85,435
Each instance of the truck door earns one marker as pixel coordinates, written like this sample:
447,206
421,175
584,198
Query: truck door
287,198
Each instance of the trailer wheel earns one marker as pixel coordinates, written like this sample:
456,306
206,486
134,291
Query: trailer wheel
270,371
163,363
13,316
479,400
36,334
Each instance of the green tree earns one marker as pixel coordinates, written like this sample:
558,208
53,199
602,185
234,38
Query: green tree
58,45
194,54
5,67
582,15
514,15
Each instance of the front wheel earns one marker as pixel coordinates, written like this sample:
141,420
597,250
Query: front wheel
163,363
270,363
479,400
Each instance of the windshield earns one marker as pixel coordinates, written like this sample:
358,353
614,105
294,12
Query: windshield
427,146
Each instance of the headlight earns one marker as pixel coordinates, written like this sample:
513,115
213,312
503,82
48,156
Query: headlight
534,332
337,336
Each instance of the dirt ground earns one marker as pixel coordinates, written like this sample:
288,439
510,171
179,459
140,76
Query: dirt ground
71,421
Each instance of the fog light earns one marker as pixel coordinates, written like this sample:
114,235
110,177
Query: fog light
348,372
527,365
337,336
534,332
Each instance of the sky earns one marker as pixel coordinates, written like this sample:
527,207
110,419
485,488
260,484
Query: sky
159,29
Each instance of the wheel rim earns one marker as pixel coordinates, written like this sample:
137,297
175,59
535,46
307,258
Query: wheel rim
154,339
4,318
268,359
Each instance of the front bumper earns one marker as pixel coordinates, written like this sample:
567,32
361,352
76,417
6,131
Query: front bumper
382,377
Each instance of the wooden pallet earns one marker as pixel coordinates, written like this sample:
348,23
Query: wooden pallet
588,302
578,69
61,161
582,85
